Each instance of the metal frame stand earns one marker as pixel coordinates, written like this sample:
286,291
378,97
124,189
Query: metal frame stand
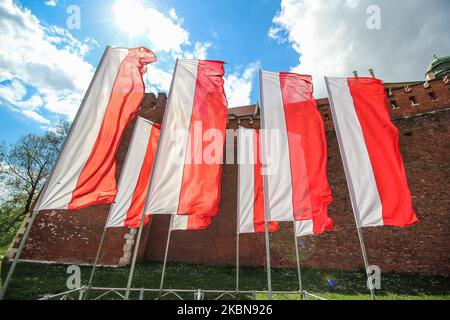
97,257
165,255
237,261
12,268
133,262
299,271
269,274
366,262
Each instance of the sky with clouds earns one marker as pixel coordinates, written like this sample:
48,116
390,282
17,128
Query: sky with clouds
47,58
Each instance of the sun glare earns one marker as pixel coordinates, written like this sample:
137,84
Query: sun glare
129,16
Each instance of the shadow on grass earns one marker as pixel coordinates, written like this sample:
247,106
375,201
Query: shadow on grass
33,281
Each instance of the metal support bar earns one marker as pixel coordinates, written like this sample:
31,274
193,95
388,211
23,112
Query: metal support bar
197,292
97,257
269,274
366,262
266,200
300,286
237,260
166,254
135,254
18,254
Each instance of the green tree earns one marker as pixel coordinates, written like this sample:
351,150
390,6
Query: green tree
24,167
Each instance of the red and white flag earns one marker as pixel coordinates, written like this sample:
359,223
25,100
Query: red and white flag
85,172
294,148
370,151
190,222
188,165
251,214
128,207
315,226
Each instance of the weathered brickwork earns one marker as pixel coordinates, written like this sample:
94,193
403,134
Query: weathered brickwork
422,115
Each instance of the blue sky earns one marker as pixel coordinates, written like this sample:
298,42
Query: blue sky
46,65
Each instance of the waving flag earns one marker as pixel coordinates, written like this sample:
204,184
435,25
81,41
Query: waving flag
251,214
128,208
368,141
188,164
294,148
317,225
191,222
85,172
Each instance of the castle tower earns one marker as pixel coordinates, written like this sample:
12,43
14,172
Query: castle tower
439,68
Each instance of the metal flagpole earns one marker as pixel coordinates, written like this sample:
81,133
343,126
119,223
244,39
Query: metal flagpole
238,210
34,213
366,262
237,260
350,189
18,253
97,257
166,254
266,202
299,271
133,263
269,275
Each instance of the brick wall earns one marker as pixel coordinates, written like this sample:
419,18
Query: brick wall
425,143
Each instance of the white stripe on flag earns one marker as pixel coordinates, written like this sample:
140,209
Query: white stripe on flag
130,173
82,138
246,180
358,168
179,222
165,187
304,228
275,150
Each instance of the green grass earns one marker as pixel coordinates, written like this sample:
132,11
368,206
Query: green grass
32,281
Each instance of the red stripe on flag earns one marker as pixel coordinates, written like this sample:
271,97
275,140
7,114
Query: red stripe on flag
198,222
381,138
97,181
258,203
200,188
307,146
322,222
134,214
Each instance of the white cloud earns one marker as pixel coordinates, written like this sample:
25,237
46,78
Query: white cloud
173,15
332,37
13,92
166,36
274,33
238,85
165,33
47,60
36,117
199,52
51,3
33,103
157,80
